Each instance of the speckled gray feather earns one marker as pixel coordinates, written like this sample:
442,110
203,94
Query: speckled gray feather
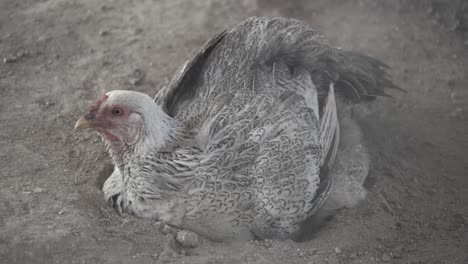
258,132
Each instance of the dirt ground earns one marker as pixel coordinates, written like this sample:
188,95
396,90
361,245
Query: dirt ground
59,55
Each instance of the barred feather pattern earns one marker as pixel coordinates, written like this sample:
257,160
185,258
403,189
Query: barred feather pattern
249,161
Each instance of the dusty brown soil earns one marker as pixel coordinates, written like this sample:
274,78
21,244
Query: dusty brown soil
58,55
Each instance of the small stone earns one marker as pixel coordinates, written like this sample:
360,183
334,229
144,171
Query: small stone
267,244
167,256
299,253
137,77
37,190
187,238
455,97
155,256
166,229
49,103
109,230
9,60
157,225
386,257
104,33
338,250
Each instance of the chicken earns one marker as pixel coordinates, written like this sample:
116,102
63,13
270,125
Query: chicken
243,141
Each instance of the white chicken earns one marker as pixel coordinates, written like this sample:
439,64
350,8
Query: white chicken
243,141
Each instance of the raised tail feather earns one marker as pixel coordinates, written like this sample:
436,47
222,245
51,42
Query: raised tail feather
357,76
360,77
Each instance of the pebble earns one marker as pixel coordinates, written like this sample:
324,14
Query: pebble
166,229
455,97
109,230
155,256
167,256
338,250
103,33
386,257
9,60
299,253
16,57
37,190
187,238
137,77
157,225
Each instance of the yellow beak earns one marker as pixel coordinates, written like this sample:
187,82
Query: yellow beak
83,122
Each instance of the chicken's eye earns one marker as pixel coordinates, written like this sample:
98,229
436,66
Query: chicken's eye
116,111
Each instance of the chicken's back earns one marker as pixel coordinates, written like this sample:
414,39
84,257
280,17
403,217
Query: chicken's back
258,124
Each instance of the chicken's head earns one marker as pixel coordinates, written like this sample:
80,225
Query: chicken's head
118,116
133,119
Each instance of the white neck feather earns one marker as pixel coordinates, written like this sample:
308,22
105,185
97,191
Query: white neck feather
160,132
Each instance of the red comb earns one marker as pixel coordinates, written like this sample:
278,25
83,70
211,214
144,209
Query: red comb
95,107
100,100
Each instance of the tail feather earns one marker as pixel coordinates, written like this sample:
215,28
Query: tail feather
367,77
357,76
